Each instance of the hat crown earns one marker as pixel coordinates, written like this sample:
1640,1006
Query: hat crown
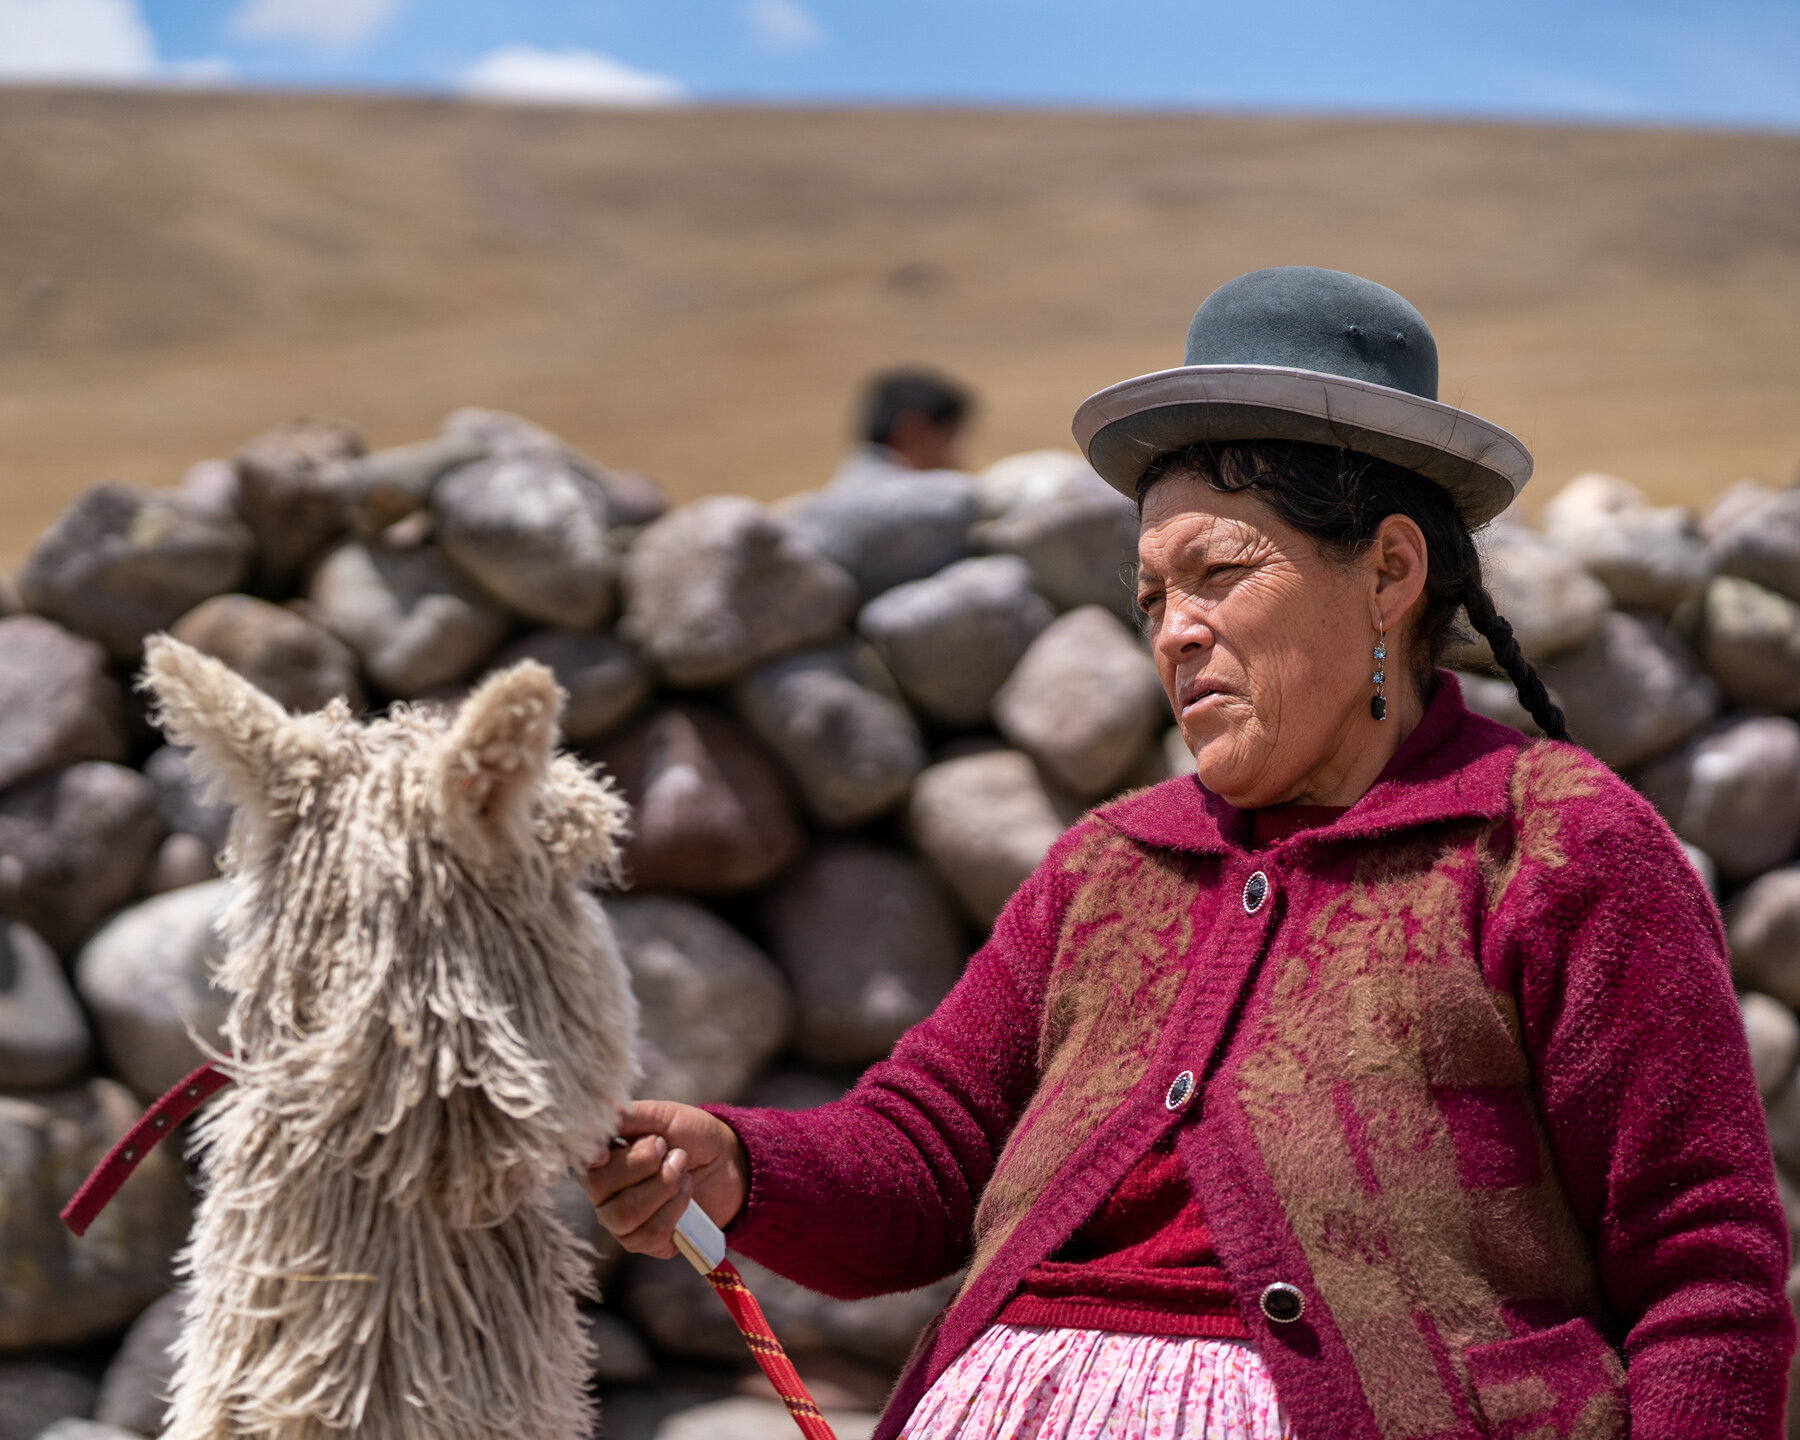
1301,317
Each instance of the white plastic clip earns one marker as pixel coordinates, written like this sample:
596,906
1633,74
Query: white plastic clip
698,1239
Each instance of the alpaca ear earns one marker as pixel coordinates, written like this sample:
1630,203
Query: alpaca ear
497,751
245,744
582,820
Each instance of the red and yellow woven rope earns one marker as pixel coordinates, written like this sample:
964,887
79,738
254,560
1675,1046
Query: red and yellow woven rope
754,1327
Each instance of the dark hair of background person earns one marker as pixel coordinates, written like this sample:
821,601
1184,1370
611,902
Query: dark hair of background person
900,392
1338,499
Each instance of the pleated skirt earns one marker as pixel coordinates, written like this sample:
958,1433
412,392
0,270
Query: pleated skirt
1027,1382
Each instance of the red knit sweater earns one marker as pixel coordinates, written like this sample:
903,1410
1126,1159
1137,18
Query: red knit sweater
1146,1264
1472,1083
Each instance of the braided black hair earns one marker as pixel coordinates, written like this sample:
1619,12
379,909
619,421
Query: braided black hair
1338,499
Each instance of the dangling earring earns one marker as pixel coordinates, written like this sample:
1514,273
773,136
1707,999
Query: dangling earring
1378,702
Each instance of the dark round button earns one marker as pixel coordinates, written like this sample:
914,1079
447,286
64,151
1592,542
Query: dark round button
1282,1303
1256,890
1181,1090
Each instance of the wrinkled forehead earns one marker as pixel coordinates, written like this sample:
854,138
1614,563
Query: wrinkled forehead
1187,523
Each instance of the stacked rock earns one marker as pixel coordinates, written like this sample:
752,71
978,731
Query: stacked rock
848,724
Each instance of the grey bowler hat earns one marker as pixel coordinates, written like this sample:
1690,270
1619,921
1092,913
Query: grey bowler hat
1299,353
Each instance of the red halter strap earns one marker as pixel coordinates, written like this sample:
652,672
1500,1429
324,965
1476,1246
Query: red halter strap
137,1142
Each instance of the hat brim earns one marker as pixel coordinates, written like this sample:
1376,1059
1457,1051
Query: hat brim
1125,427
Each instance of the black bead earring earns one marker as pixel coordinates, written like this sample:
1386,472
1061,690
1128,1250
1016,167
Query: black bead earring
1378,702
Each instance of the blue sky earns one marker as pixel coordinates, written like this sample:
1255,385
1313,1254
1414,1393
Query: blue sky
1722,62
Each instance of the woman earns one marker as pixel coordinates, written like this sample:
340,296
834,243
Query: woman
1384,1082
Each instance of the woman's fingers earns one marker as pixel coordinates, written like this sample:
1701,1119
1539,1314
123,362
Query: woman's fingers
662,1145
643,1214
623,1166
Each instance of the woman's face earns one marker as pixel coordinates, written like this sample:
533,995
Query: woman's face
1264,644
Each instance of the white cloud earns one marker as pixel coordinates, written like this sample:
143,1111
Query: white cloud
59,40
207,72
566,77
783,24
337,24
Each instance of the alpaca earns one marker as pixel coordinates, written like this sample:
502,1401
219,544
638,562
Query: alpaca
430,1022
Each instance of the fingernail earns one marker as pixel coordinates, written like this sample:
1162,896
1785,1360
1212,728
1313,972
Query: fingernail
678,1161
662,1147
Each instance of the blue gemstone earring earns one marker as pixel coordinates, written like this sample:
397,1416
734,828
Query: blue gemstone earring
1378,702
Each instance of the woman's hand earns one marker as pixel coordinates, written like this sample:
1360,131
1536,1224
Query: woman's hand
677,1153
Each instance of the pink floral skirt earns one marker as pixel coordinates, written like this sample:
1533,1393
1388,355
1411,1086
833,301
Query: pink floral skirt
1027,1382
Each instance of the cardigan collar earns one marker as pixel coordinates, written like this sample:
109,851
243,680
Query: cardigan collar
1455,765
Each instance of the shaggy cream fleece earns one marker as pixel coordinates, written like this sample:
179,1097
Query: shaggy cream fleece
430,1022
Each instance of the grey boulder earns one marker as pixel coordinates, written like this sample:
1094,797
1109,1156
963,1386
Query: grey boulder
714,1007
38,1392
414,618
297,661
1084,701
383,487
871,943
952,639
146,978
1498,700
748,1417
531,530
606,680
134,1392
1550,601
1764,932
180,860
74,1429
43,1034
715,586
620,1357
1650,557
120,563
631,499
890,526
294,492
983,822
181,800
76,1289
1750,643
1734,791
57,703
1730,505
1077,533
1632,690
1761,542
709,810
73,846
851,749
1774,1037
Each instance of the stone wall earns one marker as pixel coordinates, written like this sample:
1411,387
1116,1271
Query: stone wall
849,725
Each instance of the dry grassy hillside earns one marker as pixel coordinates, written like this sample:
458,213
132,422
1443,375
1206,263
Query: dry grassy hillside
697,293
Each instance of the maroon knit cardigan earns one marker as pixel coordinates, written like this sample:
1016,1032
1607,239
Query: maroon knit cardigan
1471,1078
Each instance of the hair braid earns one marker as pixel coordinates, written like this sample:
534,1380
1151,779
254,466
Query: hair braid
1478,605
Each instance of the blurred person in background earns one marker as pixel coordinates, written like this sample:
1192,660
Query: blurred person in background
909,420
1381,1079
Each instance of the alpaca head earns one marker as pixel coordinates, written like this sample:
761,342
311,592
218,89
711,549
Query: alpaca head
410,922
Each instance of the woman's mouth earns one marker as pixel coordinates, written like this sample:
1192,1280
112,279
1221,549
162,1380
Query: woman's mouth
1200,692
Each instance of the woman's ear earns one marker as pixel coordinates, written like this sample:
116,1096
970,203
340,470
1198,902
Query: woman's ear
1400,561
